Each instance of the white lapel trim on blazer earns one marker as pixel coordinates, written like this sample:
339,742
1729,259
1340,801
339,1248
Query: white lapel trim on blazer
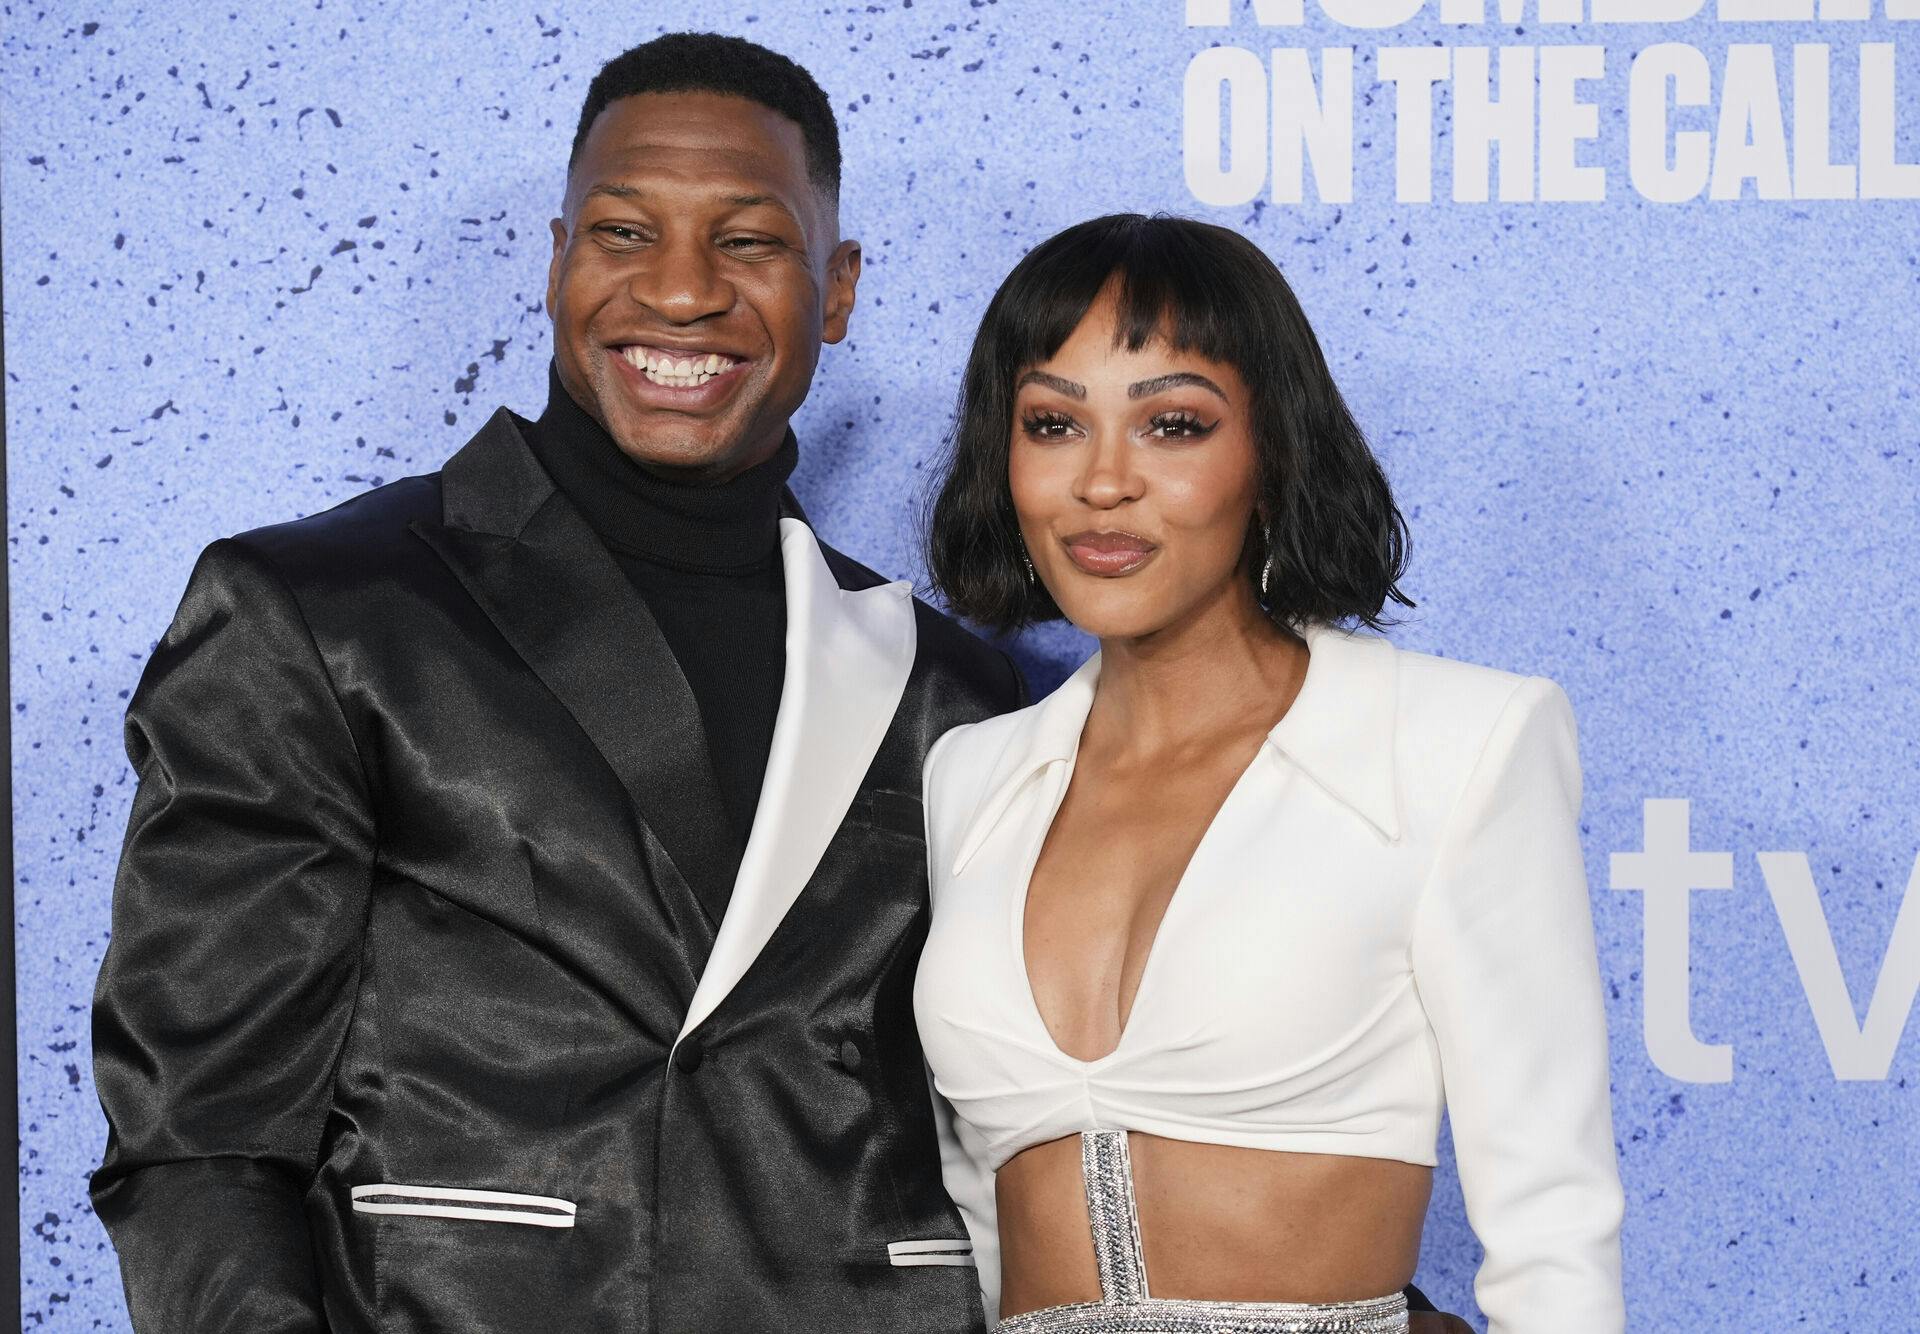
481,1206
848,657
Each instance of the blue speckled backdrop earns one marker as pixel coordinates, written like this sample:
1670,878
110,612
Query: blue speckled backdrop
260,257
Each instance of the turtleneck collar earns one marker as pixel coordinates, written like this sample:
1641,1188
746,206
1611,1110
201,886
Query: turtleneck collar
735,525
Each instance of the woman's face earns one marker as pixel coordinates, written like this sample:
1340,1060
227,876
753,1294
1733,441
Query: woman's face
1134,479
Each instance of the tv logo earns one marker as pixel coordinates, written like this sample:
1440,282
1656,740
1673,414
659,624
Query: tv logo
1669,870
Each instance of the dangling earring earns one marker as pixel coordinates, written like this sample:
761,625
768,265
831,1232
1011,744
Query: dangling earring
1266,562
1033,579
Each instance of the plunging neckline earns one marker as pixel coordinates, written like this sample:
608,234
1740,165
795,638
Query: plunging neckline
1019,914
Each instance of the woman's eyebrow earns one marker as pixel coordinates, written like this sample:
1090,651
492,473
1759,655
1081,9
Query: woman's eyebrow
1148,388
1053,382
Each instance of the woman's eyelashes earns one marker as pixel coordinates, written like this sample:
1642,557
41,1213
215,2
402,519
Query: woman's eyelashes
1169,424
1179,424
1042,425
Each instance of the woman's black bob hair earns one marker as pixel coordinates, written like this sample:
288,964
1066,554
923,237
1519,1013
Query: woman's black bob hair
1339,544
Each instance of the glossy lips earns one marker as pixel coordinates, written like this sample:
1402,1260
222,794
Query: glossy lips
1109,554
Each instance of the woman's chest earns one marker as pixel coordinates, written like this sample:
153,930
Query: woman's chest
1289,914
1110,863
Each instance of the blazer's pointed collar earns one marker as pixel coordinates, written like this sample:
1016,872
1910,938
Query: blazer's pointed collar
1339,731
493,483
1049,734
535,567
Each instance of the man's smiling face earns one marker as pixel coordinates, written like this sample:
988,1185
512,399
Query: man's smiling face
695,274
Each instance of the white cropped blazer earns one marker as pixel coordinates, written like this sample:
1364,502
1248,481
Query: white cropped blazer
1388,915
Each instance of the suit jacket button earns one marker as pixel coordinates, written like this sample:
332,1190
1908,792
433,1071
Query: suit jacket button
850,1056
688,1055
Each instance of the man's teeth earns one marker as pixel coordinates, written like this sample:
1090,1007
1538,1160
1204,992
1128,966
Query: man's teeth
678,372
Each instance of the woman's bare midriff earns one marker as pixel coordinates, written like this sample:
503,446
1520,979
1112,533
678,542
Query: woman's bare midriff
1216,1222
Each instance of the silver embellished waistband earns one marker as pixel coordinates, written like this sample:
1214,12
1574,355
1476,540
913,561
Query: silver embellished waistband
1126,1307
1175,1315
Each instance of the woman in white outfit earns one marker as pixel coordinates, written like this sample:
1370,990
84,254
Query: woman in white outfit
1221,925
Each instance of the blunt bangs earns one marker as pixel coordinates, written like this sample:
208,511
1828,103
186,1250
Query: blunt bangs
1338,541
1196,286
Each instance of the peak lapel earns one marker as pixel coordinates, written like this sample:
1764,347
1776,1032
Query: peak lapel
549,585
848,657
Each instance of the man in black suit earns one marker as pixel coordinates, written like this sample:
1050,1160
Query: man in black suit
518,914
520,904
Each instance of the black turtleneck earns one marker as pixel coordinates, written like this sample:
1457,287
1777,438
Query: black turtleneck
706,560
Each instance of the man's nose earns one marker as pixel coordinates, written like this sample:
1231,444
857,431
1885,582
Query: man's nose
678,280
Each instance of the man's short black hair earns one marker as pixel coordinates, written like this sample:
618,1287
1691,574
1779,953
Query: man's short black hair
1338,541
710,62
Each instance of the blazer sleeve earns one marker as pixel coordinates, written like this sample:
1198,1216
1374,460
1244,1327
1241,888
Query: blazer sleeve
970,1185
1504,960
968,1181
232,968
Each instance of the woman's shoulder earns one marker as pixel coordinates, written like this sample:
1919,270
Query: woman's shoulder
965,757
960,767
1368,674
977,767
1456,718
1433,683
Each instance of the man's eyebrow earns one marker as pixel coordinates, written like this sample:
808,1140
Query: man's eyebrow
763,200
1148,388
738,201
616,191
1053,382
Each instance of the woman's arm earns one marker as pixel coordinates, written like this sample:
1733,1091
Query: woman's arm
968,1181
1504,959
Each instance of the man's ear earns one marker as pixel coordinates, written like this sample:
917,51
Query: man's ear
559,229
843,276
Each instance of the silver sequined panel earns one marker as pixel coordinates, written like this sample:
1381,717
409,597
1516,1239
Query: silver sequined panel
1107,1168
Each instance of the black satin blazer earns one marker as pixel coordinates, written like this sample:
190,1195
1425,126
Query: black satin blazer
410,1019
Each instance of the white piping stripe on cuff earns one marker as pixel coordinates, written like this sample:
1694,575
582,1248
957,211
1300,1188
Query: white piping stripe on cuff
388,1198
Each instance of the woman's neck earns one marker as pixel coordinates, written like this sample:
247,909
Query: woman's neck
1215,672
